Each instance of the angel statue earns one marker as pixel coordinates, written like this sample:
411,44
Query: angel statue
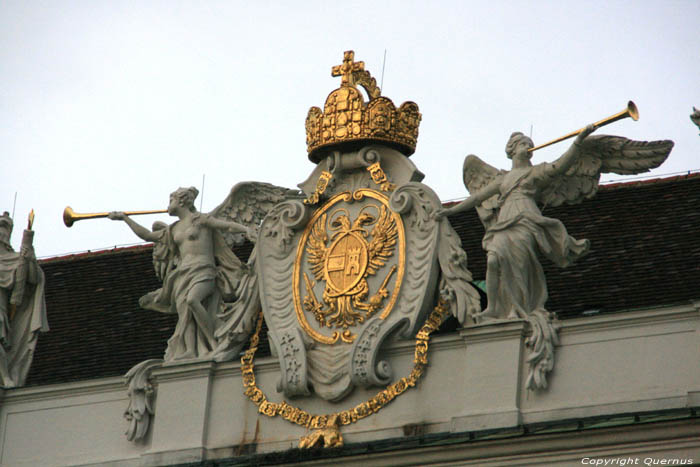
213,293
517,233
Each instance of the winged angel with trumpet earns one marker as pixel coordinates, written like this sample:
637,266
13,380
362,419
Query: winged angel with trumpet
346,289
517,232
213,293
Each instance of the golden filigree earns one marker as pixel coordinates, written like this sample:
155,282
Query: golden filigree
324,424
328,437
344,261
321,184
346,117
379,177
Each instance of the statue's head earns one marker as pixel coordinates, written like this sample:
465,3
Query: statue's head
6,225
183,197
513,146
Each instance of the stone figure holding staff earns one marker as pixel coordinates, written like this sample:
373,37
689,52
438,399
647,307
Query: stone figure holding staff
22,304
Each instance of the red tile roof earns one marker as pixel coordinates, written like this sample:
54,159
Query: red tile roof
645,252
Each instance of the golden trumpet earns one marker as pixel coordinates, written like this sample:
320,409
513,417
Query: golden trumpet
631,112
70,216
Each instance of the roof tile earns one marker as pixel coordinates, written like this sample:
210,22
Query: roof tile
645,252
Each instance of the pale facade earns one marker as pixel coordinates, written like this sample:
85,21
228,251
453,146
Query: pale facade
589,358
626,385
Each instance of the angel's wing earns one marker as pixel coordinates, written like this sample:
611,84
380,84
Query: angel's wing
248,203
384,237
695,117
164,257
603,154
476,175
317,247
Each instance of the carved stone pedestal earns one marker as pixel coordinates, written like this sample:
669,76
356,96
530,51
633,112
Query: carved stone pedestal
182,413
494,352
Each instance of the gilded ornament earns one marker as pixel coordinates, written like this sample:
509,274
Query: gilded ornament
321,184
328,426
343,252
379,177
347,119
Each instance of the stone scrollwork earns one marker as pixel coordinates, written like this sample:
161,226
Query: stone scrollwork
544,328
370,155
283,220
279,233
367,370
455,286
421,205
291,348
142,395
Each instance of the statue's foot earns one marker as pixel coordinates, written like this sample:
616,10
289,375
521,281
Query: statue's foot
487,315
515,315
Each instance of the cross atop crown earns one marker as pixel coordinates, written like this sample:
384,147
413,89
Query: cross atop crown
348,67
347,120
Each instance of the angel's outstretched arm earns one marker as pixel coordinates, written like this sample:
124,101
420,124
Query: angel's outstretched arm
141,231
473,201
561,165
222,224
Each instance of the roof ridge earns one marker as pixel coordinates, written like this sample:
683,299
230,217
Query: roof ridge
651,181
88,253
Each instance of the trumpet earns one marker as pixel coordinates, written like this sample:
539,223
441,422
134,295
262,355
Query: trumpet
631,112
70,216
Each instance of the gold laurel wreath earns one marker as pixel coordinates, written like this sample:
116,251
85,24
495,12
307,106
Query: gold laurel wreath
360,411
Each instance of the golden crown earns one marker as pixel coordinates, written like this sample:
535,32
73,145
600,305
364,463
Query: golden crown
347,119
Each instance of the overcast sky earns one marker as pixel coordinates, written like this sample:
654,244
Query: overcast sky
111,105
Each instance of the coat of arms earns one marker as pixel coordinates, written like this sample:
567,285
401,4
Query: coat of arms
347,254
340,275
362,257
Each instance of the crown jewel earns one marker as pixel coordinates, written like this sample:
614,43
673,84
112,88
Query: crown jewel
347,119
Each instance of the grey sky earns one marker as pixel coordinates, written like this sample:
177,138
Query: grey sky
111,105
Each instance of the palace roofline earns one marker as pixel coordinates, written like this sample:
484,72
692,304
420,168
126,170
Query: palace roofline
148,245
640,258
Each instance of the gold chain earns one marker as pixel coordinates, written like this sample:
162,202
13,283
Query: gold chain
360,411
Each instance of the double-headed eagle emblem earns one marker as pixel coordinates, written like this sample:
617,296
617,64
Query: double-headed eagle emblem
344,259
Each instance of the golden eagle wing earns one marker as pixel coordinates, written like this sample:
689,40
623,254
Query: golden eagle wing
316,247
384,237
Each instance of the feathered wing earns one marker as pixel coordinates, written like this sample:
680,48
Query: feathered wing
164,257
384,238
695,117
476,175
248,203
603,154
